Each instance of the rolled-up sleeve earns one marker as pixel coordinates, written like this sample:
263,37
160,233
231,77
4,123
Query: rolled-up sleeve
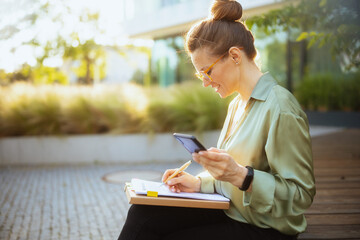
207,182
288,188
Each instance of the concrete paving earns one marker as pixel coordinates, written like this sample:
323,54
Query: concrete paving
66,202
73,202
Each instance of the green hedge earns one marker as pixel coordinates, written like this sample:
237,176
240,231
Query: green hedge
329,92
59,110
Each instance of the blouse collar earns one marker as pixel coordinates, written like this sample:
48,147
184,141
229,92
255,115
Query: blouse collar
263,87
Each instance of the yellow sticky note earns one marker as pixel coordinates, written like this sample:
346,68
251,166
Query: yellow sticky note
152,194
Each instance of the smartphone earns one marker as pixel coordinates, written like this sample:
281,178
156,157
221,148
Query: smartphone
189,142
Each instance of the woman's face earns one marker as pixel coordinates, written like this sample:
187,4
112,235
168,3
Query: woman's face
223,80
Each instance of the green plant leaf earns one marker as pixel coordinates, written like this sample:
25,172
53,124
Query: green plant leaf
302,36
322,3
311,42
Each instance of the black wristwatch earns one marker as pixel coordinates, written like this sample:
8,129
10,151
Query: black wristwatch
248,179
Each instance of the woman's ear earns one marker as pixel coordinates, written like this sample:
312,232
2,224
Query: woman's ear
235,54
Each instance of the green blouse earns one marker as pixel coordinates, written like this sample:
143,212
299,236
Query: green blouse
272,136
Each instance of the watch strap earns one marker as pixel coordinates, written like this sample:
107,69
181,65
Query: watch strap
248,179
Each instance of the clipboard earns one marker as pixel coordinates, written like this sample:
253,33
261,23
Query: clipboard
134,198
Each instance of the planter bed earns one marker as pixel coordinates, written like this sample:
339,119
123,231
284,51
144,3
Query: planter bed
131,148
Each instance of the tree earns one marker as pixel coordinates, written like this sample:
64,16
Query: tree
91,57
317,22
68,44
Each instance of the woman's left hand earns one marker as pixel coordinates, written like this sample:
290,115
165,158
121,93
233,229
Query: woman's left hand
221,166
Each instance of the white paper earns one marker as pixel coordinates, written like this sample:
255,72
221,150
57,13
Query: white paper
142,186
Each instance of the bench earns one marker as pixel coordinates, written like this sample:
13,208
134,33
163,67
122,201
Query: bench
335,212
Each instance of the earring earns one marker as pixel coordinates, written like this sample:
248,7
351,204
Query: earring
235,61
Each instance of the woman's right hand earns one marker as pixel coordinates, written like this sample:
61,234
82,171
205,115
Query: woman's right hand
183,182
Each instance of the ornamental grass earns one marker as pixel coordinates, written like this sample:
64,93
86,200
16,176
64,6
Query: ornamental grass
29,110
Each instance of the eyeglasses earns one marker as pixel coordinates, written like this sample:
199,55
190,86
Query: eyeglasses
203,75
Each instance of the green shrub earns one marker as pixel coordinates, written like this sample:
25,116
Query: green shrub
197,108
328,92
25,112
351,91
57,110
159,111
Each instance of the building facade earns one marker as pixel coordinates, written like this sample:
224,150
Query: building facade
166,22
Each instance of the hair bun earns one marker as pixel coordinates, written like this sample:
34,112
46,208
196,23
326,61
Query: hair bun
228,10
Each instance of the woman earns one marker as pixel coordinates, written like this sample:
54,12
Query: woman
263,161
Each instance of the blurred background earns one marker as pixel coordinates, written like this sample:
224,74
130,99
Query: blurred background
92,90
77,67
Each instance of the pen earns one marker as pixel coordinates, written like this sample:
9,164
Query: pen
179,170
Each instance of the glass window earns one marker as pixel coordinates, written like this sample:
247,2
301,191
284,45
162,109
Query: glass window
170,62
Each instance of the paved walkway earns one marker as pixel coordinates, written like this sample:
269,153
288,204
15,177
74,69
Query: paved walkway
65,202
68,202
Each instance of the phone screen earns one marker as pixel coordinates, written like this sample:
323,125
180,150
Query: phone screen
189,142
